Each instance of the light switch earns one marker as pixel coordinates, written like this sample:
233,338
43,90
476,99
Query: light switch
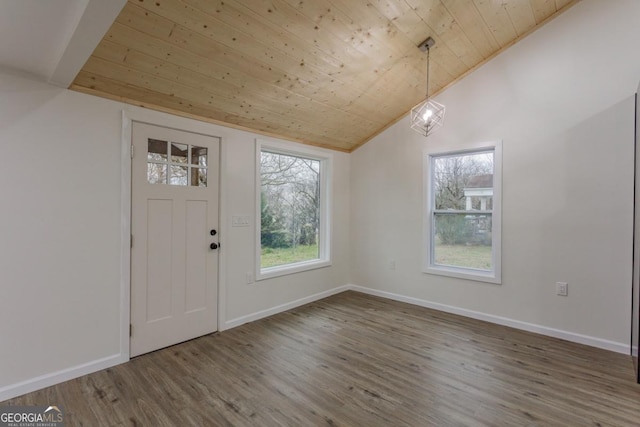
240,221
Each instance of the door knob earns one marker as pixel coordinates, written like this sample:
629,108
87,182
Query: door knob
213,246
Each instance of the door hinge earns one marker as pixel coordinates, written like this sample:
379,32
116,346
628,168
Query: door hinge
130,329
132,151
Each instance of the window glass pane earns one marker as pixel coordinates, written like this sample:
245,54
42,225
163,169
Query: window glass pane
156,173
178,175
463,182
179,153
156,150
199,156
463,240
290,209
198,177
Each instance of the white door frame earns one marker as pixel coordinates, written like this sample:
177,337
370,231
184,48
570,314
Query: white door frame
181,124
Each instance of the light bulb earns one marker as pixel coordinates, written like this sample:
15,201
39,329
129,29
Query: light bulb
427,114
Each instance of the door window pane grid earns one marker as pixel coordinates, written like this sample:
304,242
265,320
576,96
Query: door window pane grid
176,164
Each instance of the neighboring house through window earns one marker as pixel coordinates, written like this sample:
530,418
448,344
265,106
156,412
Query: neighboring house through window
462,213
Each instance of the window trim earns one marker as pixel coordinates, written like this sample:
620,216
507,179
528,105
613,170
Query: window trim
494,276
324,237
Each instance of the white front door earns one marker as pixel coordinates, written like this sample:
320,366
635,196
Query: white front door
174,223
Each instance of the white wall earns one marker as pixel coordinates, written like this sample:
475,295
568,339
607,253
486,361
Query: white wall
562,102
59,229
60,171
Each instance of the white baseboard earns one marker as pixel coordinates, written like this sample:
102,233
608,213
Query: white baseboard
283,307
37,383
504,321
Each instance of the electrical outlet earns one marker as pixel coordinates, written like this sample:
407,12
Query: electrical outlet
249,277
562,289
392,264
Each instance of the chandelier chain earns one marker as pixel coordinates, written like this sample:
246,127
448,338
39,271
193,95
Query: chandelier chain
428,62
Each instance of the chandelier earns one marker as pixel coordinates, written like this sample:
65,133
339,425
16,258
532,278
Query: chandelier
428,115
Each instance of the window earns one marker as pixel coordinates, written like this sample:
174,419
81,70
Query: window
176,164
292,207
463,217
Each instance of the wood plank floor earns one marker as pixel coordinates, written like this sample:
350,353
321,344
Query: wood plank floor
358,360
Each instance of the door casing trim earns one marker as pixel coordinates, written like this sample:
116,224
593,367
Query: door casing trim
125,234
128,118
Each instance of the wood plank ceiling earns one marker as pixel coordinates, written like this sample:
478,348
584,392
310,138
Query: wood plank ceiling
331,73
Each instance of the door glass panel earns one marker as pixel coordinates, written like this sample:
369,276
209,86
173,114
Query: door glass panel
178,175
157,150
179,153
199,156
156,173
198,177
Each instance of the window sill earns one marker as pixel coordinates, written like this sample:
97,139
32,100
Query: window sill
464,273
299,267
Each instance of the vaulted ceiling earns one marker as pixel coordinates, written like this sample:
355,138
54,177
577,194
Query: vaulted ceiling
331,73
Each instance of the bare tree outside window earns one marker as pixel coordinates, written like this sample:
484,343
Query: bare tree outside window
289,208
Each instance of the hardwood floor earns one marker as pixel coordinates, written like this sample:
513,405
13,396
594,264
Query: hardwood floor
358,360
